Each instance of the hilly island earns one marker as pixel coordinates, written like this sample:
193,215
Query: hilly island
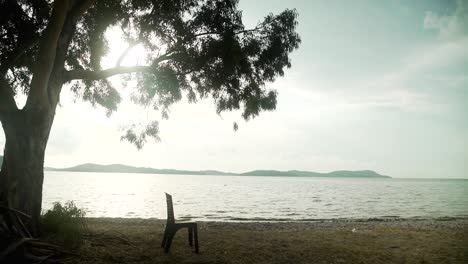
119,168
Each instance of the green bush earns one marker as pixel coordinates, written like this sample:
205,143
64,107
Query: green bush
65,224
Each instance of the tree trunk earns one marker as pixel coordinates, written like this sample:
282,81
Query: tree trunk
22,173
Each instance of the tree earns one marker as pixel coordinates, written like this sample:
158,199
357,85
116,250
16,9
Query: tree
196,48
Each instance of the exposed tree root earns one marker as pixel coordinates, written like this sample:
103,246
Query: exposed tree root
18,246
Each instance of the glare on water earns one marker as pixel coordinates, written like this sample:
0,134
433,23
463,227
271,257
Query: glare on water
236,198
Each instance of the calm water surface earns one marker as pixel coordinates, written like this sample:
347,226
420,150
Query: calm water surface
236,198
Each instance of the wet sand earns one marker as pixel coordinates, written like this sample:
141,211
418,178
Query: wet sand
443,240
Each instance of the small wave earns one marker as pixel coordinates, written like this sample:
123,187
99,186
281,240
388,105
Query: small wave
259,219
292,214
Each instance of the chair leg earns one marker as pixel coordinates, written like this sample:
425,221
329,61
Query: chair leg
163,243
190,236
195,234
169,238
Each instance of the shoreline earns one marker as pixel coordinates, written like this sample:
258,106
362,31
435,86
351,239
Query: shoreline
285,220
330,241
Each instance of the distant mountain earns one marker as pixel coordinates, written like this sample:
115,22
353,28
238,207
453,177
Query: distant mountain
296,173
119,168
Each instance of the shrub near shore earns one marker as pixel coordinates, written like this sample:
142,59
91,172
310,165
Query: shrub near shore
65,224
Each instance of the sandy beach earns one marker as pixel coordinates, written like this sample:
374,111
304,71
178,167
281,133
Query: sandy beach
443,240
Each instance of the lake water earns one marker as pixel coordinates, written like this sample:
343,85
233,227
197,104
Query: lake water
237,198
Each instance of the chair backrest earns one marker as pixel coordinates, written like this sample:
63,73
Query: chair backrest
170,209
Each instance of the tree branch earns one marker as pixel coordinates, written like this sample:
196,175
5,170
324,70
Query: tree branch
16,54
122,56
80,8
103,74
24,44
38,95
261,26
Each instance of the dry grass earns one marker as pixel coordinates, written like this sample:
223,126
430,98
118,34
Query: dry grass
408,241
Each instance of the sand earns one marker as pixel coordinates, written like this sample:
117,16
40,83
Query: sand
443,240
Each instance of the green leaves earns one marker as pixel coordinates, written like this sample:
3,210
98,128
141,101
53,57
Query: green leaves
195,48
137,134
65,224
99,92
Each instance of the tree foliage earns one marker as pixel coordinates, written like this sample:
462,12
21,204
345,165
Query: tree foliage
194,48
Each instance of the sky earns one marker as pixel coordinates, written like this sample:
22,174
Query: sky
378,85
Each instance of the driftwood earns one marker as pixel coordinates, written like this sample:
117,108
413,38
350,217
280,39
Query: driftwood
17,245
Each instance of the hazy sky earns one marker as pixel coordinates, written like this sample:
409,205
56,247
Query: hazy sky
380,85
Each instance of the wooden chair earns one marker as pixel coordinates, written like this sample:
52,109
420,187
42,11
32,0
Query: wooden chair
172,227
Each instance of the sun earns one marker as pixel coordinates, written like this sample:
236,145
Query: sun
121,50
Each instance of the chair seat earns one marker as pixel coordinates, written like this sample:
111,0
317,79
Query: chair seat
185,224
